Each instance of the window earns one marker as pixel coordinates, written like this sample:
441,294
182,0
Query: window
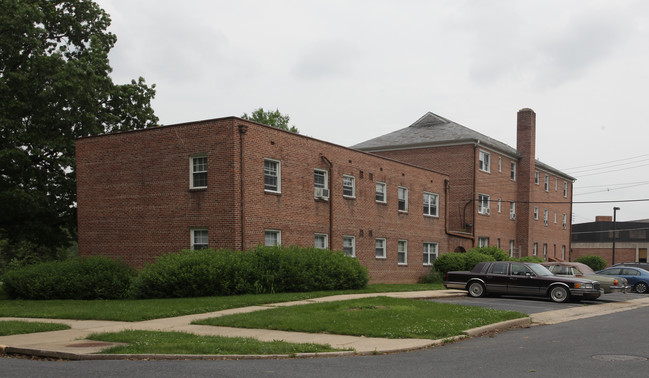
555,217
565,189
535,249
545,251
563,252
430,253
381,192
500,164
483,241
536,213
403,199
273,238
512,173
198,166
431,202
499,268
537,177
321,241
272,176
402,252
512,210
380,248
483,204
484,161
546,183
349,246
511,248
565,221
500,205
546,216
320,179
349,186
556,184
199,239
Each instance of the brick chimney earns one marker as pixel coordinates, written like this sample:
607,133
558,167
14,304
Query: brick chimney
526,146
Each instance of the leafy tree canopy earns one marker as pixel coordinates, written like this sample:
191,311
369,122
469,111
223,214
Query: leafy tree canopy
275,119
54,87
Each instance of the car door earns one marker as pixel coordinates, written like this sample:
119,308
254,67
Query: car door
497,277
522,280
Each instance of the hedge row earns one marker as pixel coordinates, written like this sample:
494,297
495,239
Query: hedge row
190,274
89,278
455,261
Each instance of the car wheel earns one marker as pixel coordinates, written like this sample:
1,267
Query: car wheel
559,294
476,289
640,288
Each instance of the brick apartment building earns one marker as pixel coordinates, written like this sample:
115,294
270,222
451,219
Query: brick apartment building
596,238
498,195
232,183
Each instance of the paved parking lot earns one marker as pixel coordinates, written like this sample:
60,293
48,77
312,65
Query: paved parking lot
532,305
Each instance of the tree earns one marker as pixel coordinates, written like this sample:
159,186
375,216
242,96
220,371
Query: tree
54,88
275,119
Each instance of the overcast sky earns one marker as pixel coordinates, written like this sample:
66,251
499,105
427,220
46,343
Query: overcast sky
348,71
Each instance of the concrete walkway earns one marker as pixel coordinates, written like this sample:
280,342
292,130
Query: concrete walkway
72,343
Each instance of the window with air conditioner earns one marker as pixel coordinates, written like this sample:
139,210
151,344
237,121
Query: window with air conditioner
483,204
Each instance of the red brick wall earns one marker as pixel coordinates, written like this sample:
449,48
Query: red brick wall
135,201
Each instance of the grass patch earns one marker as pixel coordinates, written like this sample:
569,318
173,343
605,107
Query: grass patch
371,317
152,342
145,309
16,327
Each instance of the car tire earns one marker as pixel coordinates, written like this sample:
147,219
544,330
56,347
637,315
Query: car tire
640,287
559,294
476,289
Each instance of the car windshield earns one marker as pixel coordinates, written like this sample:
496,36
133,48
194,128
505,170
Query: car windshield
540,270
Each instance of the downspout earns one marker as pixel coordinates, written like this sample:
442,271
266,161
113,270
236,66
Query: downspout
331,205
242,131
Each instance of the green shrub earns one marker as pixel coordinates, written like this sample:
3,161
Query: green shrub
532,259
493,251
449,262
84,278
433,276
260,270
472,258
594,262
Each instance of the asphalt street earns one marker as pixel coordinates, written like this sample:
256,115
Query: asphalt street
603,346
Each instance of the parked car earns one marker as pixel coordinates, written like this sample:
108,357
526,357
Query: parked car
610,284
642,265
520,278
638,278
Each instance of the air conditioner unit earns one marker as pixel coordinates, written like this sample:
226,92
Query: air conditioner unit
321,193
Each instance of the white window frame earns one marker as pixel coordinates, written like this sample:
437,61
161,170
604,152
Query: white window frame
277,235
431,249
347,179
484,161
535,249
347,240
431,208
383,247
536,213
484,202
512,174
277,173
325,176
565,189
500,164
483,241
546,183
404,200
500,205
512,210
196,238
565,221
402,252
512,247
546,216
537,177
545,251
325,241
194,171
381,188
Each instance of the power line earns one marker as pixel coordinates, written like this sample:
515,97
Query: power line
605,163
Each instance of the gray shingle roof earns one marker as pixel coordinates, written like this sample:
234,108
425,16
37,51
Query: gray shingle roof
432,130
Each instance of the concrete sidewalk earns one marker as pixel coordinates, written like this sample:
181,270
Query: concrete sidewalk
72,344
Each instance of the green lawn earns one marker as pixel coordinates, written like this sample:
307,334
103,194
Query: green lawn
145,309
150,342
16,327
371,317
